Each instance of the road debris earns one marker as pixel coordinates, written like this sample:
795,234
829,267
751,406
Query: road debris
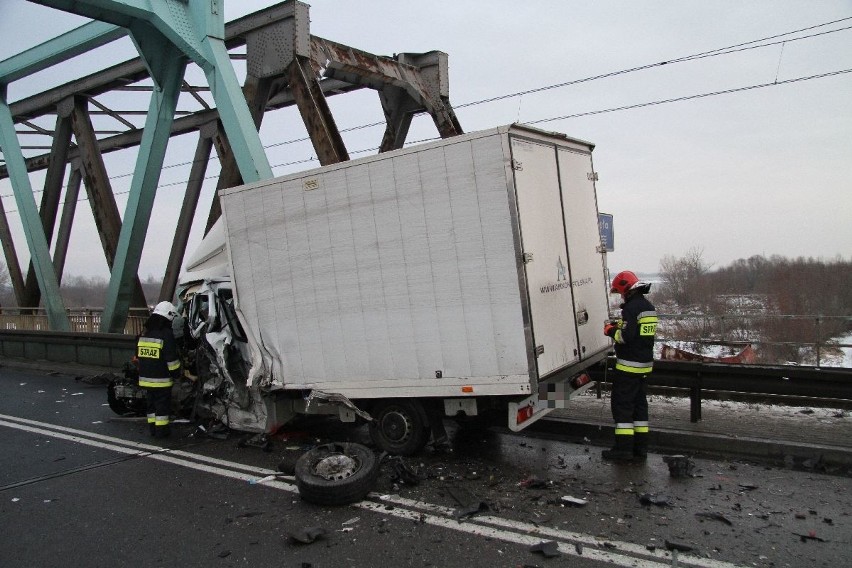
547,548
715,516
101,379
574,501
402,472
680,466
471,510
675,546
810,536
533,482
654,499
307,535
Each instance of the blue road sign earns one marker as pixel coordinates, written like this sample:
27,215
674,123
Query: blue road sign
605,228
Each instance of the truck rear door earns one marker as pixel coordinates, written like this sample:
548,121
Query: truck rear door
557,212
580,209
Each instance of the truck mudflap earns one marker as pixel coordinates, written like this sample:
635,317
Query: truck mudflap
549,397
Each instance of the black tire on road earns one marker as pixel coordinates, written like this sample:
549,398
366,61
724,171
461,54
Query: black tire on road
400,426
336,473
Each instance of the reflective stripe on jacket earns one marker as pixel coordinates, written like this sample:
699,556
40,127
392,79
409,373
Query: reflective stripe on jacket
634,339
156,352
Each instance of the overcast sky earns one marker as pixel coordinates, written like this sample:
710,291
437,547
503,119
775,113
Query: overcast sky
756,171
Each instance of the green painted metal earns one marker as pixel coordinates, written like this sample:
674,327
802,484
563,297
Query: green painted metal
58,49
236,118
28,210
167,65
166,33
195,30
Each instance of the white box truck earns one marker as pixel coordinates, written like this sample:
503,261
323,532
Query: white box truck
439,279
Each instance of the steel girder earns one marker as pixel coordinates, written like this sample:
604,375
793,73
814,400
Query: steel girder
286,66
39,249
49,53
99,190
50,200
166,34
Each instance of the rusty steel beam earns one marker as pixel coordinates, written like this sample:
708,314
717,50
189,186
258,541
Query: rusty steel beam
50,198
399,108
183,125
114,114
99,190
423,76
12,264
187,212
60,252
326,138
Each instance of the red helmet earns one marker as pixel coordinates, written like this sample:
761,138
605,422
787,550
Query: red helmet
623,281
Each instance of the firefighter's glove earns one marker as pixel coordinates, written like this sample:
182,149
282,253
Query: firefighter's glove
610,329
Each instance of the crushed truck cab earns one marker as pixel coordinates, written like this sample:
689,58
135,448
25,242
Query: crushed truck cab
439,279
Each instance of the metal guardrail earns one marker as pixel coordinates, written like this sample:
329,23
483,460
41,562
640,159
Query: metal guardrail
23,334
777,380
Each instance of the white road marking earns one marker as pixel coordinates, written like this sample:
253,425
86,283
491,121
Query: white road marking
623,554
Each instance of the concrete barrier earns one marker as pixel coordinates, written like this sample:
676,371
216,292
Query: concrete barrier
96,349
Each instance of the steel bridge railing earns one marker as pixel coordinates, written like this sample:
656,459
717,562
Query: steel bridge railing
83,320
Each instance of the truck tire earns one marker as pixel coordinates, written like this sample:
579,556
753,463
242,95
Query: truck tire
399,426
336,473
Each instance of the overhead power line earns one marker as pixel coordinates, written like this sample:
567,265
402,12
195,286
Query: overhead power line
704,54
690,97
753,44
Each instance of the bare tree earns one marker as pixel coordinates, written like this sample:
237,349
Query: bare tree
684,279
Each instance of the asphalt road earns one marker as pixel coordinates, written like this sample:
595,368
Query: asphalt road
81,487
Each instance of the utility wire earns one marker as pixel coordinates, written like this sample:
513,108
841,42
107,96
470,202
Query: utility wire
690,97
555,118
701,55
704,54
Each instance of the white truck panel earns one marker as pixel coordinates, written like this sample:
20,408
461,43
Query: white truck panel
590,299
401,274
542,236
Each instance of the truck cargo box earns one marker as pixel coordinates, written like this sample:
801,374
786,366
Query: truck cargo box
466,267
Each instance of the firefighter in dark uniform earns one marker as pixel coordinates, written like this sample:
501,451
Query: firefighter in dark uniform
159,366
634,353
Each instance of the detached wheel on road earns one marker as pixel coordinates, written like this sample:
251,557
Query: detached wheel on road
399,427
336,473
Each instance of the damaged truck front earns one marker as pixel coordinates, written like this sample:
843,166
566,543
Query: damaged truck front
442,279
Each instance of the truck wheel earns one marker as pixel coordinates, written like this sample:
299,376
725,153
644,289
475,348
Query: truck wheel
336,473
400,427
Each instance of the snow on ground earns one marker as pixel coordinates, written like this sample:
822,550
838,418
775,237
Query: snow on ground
828,415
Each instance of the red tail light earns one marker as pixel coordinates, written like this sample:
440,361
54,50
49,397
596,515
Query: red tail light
524,414
580,380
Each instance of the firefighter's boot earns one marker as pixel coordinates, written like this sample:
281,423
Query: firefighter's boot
622,451
163,431
152,429
640,446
